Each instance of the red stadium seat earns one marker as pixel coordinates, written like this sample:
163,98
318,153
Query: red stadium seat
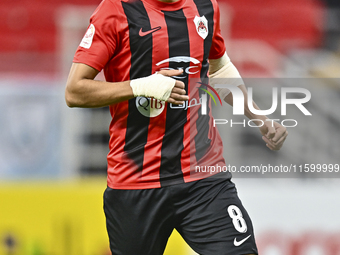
282,24
29,33
29,26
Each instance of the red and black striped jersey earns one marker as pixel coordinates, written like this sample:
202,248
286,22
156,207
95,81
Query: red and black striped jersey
153,143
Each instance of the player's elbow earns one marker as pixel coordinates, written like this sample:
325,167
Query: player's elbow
71,98
69,101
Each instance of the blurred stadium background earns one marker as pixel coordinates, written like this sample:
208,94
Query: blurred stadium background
53,159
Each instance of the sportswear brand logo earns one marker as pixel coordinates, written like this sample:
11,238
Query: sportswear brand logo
152,30
238,243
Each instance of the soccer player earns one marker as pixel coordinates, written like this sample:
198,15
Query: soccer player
151,52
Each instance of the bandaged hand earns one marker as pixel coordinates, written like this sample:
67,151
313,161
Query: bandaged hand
161,86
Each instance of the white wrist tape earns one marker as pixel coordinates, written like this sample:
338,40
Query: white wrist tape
222,71
157,86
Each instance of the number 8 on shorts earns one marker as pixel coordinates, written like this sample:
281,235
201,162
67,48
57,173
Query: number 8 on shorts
236,215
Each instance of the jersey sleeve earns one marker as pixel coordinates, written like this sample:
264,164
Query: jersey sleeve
218,48
99,41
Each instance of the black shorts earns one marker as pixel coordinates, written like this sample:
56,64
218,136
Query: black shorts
207,213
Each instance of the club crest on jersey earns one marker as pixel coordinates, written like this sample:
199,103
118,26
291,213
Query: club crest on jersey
201,24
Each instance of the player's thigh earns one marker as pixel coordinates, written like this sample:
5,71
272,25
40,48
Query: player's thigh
138,221
216,221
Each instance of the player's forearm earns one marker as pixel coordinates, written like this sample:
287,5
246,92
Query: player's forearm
222,71
82,91
229,99
253,116
89,93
